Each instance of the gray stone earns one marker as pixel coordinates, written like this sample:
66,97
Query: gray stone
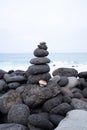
78,104
65,72
19,113
34,79
75,120
8,99
51,103
39,60
13,85
67,99
12,126
14,78
40,122
61,109
40,52
20,89
35,95
38,69
55,79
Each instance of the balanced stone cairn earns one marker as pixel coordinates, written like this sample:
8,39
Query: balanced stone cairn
38,73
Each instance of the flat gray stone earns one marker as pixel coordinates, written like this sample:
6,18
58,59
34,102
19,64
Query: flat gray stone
75,120
39,60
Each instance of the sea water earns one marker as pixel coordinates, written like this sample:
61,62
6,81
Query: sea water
15,61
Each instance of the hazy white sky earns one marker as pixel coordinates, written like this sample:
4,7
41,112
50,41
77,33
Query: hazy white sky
62,24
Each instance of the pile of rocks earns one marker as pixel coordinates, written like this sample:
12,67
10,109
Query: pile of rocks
24,105
40,69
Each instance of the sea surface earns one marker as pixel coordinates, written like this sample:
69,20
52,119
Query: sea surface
20,61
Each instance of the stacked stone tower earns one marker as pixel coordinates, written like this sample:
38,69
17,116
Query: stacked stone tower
39,70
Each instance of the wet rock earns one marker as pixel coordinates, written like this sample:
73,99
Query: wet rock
39,60
8,99
61,109
12,126
19,113
40,122
65,72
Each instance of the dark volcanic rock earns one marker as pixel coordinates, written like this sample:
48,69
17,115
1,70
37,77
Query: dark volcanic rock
19,113
8,99
78,104
3,84
12,126
39,60
35,95
13,85
40,122
77,95
34,79
63,81
2,72
51,103
84,92
38,69
42,45
83,74
40,52
55,118
65,72
61,109
67,99
14,78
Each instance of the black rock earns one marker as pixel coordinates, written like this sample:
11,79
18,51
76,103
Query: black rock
84,92
55,118
38,69
2,72
39,60
40,52
63,81
34,79
3,85
8,99
67,99
51,103
65,72
42,45
83,74
40,122
12,126
61,109
77,95
13,85
19,113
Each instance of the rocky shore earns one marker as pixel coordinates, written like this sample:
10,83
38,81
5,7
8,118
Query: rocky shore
25,104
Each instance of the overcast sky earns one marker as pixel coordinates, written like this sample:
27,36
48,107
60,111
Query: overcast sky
62,24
